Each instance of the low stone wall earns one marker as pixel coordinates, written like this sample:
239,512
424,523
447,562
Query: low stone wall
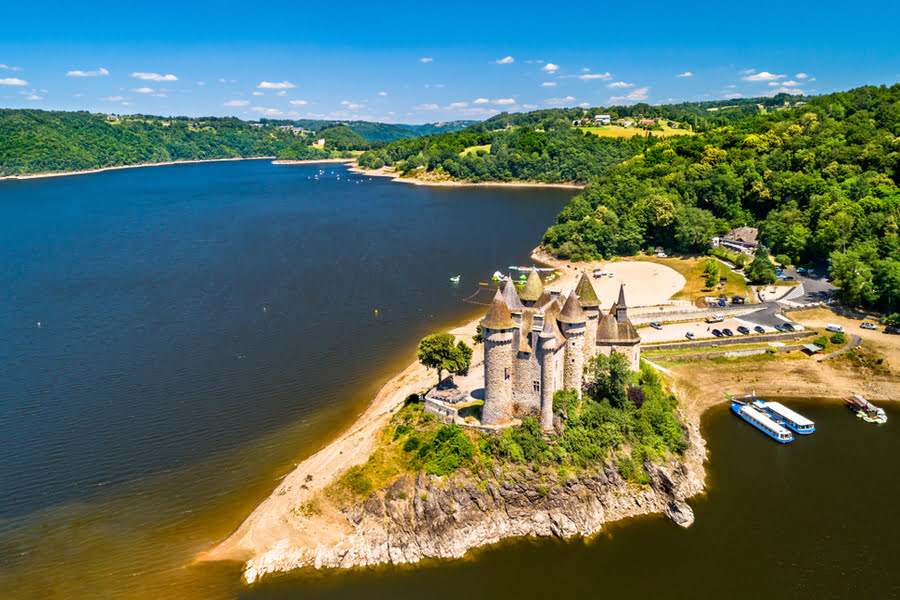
728,341
693,315
728,353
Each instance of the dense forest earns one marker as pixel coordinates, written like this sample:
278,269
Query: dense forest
820,181
38,141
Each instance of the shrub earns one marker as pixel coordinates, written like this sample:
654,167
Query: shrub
563,401
412,444
401,430
838,338
821,342
357,482
783,259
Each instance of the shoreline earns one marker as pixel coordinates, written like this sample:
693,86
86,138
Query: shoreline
313,161
452,183
138,166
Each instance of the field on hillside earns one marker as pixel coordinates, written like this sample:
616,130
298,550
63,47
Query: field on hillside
627,132
474,149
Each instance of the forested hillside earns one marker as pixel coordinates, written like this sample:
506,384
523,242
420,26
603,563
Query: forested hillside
379,132
37,141
820,181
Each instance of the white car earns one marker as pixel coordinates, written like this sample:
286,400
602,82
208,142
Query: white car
869,326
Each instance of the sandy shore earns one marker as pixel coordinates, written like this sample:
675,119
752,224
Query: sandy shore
160,164
314,161
383,172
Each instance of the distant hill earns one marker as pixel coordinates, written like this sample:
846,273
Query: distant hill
379,132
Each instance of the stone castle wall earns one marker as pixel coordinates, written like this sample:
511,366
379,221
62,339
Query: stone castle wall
498,376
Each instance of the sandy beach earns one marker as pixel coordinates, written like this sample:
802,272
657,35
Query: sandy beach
160,164
383,172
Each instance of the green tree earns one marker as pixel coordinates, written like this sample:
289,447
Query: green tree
439,351
694,228
761,271
711,269
609,377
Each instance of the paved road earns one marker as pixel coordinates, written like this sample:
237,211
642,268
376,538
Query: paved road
817,286
856,341
765,316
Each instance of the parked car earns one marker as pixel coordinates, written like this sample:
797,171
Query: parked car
779,327
891,329
690,335
800,270
743,330
717,333
655,325
759,329
788,327
728,332
834,328
869,326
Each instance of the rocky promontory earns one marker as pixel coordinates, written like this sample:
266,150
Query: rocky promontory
421,516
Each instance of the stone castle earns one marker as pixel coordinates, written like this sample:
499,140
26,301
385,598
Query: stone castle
536,343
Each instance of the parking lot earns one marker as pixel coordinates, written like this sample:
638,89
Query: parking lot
677,332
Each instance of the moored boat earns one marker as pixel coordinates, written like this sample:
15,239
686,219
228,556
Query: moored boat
782,415
865,410
761,421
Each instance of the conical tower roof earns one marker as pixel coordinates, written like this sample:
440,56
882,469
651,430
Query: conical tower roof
533,287
621,301
547,331
586,292
571,311
497,316
513,303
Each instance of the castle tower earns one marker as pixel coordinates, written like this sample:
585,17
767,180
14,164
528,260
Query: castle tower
497,329
513,303
532,289
573,324
590,303
547,356
616,333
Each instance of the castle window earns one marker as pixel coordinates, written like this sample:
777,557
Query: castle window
505,372
537,385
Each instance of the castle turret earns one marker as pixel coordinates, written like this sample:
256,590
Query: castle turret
513,303
497,329
573,323
616,333
547,356
532,289
590,303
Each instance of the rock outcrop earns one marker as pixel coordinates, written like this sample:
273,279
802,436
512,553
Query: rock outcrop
421,516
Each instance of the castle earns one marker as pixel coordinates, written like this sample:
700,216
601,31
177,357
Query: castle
536,343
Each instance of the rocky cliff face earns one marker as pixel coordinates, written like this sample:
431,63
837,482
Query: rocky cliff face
425,516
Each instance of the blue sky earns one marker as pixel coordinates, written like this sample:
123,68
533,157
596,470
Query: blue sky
421,62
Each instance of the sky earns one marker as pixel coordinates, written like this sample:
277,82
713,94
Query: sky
428,62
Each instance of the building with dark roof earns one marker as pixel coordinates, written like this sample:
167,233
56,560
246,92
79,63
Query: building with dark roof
536,344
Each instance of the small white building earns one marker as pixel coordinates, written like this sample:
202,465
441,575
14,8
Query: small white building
602,119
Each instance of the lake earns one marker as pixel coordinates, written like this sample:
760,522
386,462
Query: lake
175,339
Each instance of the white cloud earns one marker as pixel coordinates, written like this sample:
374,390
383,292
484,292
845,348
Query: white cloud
276,85
154,76
112,99
801,75
142,90
619,84
101,72
159,96
585,105
785,90
33,96
457,105
5,67
267,112
480,101
747,71
762,76
505,101
548,84
733,95
427,107
13,81
590,76
281,93
550,68
426,59
258,93
236,103
792,83
382,93
635,95
685,74
731,86
506,60
298,102
351,105
201,83
529,106
559,100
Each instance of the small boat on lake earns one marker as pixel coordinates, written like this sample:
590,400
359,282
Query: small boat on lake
455,279
782,415
761,421
865,410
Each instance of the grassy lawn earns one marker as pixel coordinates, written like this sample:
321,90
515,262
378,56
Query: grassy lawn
691,268
627,132
474,149
704,349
